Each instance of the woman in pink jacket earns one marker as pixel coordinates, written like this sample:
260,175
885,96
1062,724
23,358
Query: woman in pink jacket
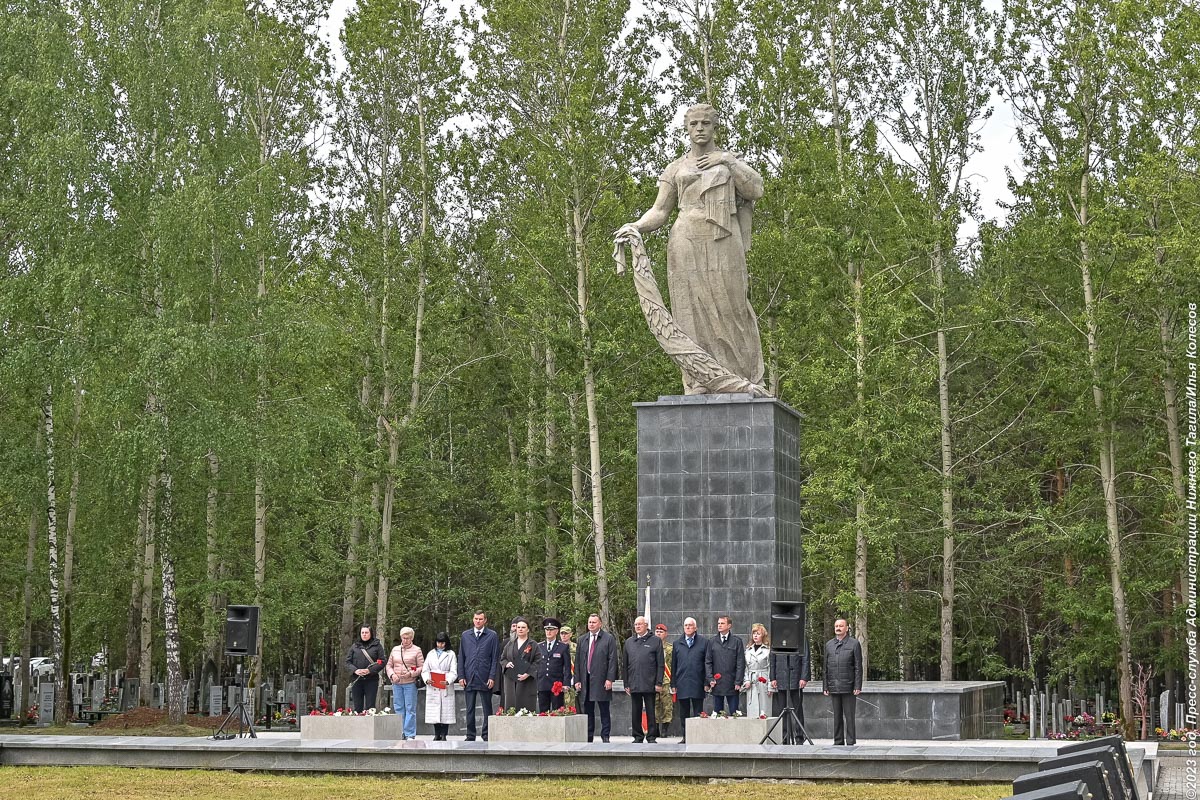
404,667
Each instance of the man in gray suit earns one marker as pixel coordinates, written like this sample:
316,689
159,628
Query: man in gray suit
595,671
843,680
642,665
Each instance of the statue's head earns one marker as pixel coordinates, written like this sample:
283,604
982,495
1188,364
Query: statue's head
701,121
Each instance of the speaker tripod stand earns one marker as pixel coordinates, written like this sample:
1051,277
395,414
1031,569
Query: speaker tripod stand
245,725
791,723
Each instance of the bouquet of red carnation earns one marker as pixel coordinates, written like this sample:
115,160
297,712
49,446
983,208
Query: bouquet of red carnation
556,689
761,679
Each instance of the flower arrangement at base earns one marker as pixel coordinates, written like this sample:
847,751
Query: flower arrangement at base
514,712
109,702
32,714
565,711
324,711
724,715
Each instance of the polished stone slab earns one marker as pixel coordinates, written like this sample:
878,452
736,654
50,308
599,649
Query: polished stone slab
718,513
979,761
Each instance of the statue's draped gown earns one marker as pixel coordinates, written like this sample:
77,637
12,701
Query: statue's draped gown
706,269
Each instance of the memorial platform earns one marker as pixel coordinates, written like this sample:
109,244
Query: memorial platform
981,761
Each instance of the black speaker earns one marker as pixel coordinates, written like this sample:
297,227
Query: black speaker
241,630
787,626
1076,790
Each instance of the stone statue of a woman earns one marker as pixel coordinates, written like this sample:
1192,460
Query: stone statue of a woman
707,280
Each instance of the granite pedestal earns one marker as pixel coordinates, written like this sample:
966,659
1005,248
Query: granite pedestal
718,508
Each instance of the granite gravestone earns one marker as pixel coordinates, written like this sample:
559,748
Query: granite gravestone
718,508
46,703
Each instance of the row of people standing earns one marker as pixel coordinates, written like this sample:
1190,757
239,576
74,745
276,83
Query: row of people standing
659,674
404,666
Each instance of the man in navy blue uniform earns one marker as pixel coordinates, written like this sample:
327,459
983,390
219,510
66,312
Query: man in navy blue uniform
478,662
554,667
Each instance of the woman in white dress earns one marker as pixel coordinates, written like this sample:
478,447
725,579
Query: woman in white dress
758,672
439,672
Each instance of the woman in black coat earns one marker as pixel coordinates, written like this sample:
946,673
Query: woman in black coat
365,660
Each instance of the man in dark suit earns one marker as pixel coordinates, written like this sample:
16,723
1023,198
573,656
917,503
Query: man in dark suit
553,667
642,665
843,680
595,671
478,662
687,673
725,667
790,673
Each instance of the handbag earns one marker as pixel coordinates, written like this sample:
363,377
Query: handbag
382,673
419,682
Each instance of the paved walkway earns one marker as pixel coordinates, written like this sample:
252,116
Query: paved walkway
1174,782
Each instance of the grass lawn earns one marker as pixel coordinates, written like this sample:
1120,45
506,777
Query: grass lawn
115,783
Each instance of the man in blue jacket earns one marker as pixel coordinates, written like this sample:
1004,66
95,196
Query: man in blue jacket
478,661
687,672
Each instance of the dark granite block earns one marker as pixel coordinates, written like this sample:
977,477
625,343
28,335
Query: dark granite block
719,516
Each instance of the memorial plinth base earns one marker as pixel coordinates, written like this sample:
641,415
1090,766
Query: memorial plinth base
718,508
735,730
374,728
571,728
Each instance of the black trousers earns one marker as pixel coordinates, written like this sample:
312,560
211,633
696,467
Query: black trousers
362,686
485,700
589,707
548,701
643,701
689,706
843,718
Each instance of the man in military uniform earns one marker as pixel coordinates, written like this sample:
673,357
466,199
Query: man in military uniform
564,636
663,703
553,668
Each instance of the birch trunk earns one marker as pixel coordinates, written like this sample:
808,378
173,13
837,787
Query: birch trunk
1105,440
552,520
347,628
27,606
166,530
946,672
134,617
63,707
589,393
577,512
212,562
525,546
145,649
861,630
62,702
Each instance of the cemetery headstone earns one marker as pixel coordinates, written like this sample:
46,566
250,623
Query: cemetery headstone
133,690
215,696
46,703
97,695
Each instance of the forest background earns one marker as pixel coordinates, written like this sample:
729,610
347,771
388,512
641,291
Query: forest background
348,343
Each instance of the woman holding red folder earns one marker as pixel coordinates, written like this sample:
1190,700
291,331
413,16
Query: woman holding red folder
440,672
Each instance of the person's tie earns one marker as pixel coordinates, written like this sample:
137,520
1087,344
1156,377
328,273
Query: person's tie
476,634
591,649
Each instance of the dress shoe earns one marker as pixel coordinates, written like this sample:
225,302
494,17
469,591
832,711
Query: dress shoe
651,741
604,739
639,741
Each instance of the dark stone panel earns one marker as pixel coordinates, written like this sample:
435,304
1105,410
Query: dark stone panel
721,508
670,438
